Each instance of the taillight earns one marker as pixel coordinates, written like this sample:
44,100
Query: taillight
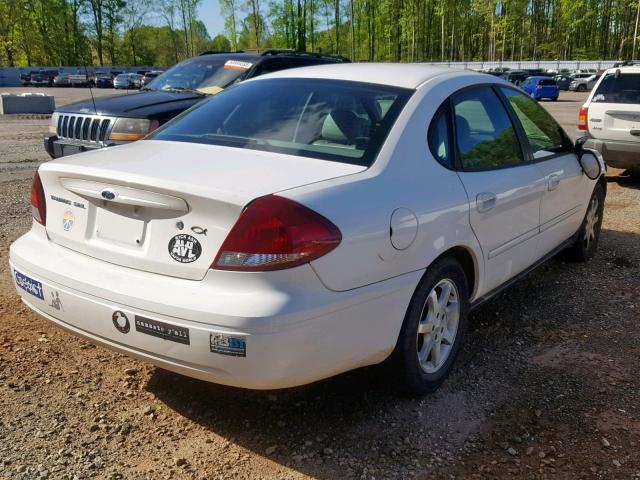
274,233
582,118
38,203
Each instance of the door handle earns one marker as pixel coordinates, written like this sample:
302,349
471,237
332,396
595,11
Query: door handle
553,182
485,201
635,133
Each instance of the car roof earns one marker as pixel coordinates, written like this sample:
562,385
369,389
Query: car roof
625,69
404,75
231,55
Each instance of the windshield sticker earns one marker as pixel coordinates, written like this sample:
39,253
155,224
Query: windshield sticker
184,248
237,65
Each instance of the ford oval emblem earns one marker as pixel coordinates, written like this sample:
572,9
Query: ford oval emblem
108,195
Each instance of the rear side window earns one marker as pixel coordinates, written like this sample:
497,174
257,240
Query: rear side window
439,139
622,88
485,136
269,66
545,136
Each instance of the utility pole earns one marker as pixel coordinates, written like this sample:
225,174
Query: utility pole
635,33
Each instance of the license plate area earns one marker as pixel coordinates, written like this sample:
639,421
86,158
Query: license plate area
120,224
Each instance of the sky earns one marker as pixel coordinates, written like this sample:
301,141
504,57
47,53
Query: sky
209,13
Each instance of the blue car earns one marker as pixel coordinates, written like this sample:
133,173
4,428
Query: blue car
541,87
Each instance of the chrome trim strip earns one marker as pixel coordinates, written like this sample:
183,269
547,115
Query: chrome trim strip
514,242
555,220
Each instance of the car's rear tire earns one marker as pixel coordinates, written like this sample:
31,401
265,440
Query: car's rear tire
433,329
586,242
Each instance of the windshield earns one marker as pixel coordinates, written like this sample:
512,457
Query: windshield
622,88
326,119
204,74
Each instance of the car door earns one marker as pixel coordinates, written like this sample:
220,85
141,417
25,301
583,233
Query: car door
552,150
504,190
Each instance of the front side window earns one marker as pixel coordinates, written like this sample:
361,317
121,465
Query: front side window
618,88
545,136
484,133
327,119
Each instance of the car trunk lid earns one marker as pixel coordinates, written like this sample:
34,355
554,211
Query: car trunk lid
165,207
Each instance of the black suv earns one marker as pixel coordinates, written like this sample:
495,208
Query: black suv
44,78
119,119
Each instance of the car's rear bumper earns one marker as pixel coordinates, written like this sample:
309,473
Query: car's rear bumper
616,153
294,329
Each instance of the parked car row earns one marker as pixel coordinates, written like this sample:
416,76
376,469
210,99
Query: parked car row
88,78
579,81
293,226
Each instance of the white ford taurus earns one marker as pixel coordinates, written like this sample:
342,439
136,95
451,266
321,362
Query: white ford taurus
310,222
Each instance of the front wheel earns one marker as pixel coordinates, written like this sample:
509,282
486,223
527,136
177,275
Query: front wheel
586,244
433,329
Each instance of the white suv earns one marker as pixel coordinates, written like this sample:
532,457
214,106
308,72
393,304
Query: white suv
611,117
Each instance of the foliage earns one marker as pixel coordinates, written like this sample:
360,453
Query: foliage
162,32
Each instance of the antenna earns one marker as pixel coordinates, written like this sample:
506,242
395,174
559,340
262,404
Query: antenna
93,100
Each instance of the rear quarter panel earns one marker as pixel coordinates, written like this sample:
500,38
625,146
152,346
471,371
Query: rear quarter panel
404,176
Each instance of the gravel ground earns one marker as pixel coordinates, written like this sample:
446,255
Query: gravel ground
546,386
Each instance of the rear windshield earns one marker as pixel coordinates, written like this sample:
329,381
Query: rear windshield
622,88
547,82
326,119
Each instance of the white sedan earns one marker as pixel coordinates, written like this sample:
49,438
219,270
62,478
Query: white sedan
310,222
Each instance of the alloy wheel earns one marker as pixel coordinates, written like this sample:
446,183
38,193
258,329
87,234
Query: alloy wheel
438,326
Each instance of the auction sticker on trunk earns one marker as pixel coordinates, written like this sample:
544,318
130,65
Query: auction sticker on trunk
184,248
163,330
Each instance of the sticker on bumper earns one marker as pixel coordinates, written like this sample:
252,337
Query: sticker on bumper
120,321
226,345
29,285
163,330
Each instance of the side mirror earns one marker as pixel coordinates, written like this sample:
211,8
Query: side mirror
590,160
591,163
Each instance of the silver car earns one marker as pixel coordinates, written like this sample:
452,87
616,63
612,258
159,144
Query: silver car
127,80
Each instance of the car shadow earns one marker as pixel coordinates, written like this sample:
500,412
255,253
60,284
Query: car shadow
623,178
331,428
